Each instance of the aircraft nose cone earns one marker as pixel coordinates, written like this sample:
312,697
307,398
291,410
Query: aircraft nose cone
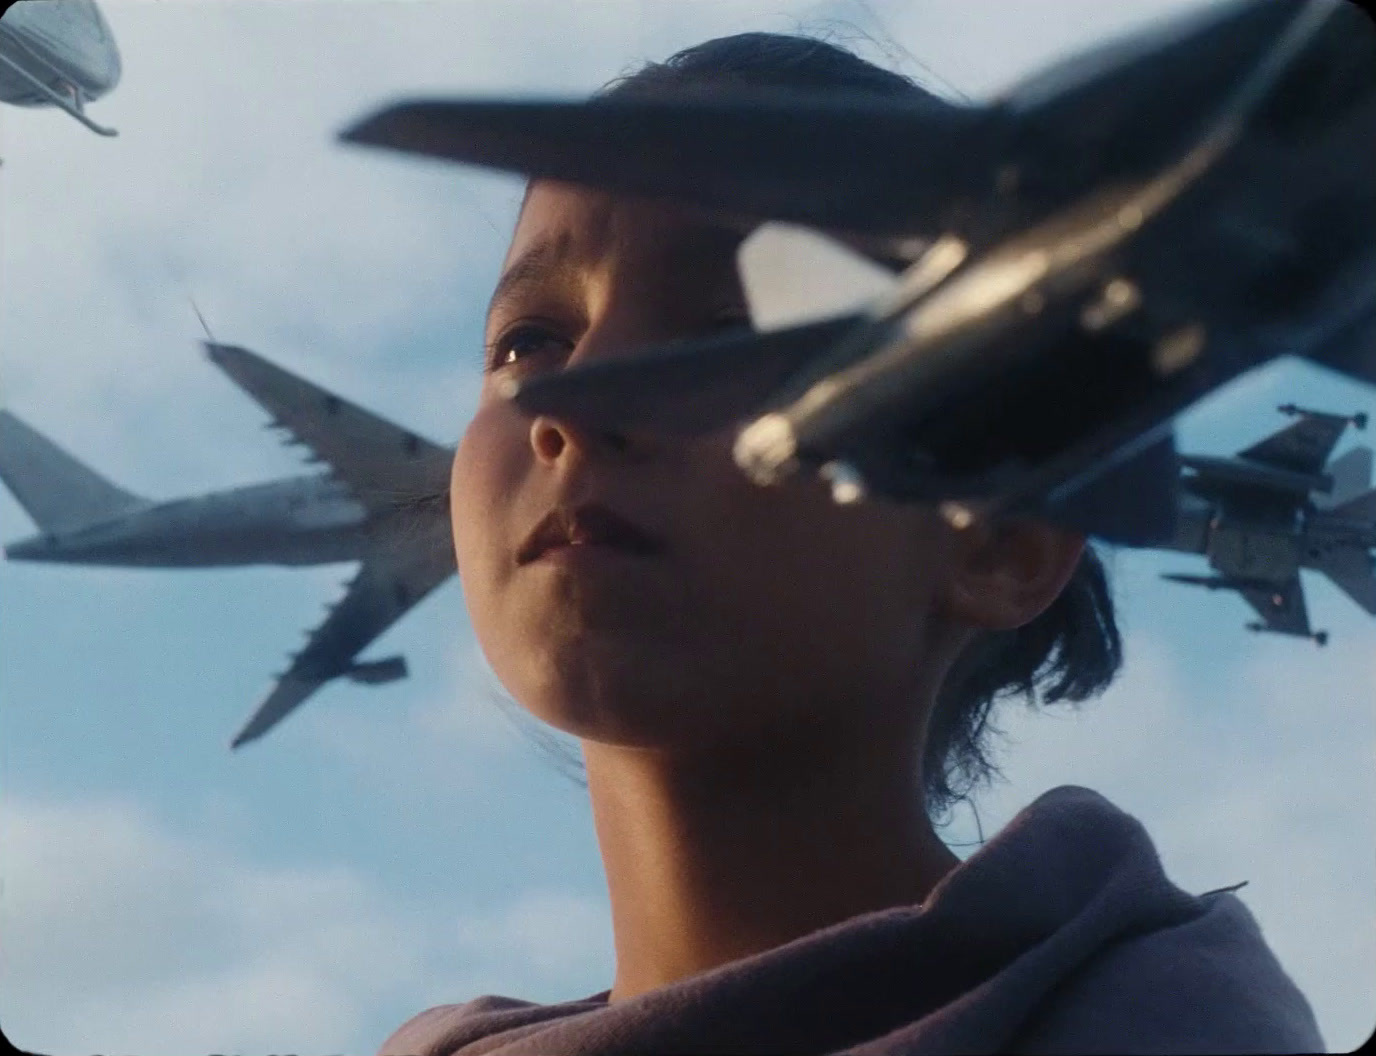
74,37
105,71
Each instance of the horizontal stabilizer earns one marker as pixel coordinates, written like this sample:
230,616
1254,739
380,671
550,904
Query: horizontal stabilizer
1352,570
56,490
1351,475
378,672
1362,508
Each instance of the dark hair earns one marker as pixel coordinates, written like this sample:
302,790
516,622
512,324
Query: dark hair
1072,650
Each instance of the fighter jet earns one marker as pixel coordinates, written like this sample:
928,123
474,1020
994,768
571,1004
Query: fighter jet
57,53
381,503
1114,239
1276,508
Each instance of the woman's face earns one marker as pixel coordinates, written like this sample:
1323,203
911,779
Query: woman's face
764,611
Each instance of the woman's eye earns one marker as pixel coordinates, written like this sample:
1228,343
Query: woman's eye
520,342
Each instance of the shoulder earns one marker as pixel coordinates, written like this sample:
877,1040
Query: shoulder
1210,984
432,1030
446,1029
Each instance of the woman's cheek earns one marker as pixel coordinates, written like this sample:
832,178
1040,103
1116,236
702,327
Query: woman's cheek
479,489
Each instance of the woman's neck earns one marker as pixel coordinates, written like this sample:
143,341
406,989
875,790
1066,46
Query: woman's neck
710,862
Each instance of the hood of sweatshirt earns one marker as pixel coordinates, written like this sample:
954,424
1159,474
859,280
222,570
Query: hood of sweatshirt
1061,934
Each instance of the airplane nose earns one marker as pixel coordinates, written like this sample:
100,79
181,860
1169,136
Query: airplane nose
105,72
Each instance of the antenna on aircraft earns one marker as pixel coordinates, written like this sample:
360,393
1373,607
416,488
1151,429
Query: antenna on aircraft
204,325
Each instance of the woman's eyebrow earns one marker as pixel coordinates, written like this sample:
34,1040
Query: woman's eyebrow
536,265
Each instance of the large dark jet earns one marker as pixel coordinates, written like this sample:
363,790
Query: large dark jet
57,53
381,502
1071,265
1278,507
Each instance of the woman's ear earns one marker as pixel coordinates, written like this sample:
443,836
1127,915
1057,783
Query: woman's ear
1006,573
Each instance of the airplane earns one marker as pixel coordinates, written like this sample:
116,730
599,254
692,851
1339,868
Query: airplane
1277,508
381,502
1115,238
57,53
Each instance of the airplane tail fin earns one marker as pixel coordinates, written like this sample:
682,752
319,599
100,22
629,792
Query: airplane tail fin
1351,475
1354,573
56,490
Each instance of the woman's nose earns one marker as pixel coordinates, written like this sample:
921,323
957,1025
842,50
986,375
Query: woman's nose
622,328
552,437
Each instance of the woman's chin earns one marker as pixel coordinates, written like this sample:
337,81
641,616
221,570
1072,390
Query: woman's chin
624,708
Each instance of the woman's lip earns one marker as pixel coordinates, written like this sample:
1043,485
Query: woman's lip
585,552
590,525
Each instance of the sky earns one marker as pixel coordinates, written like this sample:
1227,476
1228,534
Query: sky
390,848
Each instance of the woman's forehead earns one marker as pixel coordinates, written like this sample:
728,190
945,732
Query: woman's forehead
581,228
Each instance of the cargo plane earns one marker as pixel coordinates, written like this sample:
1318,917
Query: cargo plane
382,502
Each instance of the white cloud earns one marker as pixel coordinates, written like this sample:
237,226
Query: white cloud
981,49
457,733
557,935
119,934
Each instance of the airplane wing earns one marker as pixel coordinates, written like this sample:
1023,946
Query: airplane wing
1281,608
685,387
858,162
1303,447
405,566
383,464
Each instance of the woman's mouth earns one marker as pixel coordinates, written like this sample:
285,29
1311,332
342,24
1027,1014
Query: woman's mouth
584,531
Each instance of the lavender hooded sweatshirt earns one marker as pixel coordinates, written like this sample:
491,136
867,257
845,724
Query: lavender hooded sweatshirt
1060,935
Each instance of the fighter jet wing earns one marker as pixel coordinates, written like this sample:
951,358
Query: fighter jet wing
831,159
404,567
856,162
1303,447
1281,608
383,464
684,387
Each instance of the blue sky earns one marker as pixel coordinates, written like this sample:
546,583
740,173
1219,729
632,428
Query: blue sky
390,848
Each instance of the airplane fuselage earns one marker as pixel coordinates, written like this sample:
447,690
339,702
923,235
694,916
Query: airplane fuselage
1251,533
296,521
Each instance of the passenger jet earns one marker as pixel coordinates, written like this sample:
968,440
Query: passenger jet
382,502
